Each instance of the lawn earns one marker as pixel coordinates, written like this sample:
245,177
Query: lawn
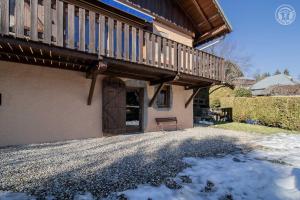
252,128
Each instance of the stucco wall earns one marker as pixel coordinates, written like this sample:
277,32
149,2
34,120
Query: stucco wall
179,96
177,109
41,104
173,34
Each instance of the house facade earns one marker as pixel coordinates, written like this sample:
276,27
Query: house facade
82,69
277,85
243,82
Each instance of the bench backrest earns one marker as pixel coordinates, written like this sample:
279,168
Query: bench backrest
166,119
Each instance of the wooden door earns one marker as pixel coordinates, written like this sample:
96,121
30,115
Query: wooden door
114,106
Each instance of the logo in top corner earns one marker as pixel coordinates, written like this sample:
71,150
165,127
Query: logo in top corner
285,14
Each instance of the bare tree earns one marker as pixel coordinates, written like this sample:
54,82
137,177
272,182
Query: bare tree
277,72
286,72
237,61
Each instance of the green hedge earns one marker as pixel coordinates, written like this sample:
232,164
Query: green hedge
281,112
242,92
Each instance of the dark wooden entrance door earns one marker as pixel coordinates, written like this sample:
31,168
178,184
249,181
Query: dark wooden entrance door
114,106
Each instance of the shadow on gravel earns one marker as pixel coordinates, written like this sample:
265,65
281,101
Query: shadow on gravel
101,169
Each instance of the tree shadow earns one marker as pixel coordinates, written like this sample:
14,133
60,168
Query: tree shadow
104,167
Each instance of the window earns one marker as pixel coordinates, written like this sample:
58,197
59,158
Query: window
163,98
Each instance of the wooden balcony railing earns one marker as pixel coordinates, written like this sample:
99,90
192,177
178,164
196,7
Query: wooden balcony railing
86,28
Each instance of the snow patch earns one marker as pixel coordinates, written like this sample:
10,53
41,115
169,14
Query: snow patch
270,173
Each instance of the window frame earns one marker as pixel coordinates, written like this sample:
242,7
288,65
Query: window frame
166,99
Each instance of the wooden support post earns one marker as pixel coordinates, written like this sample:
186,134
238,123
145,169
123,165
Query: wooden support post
92,88
195,92
155,94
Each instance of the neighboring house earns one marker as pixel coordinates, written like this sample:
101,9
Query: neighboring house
243,82
269,84
284,90
81,69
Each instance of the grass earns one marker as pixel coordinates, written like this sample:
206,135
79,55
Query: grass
235,126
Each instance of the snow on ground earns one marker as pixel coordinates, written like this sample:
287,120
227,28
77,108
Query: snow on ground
270,172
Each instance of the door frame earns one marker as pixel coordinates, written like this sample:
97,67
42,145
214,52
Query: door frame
141,110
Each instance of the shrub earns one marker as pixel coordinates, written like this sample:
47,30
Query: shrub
283,112
242,92
218,91
215,103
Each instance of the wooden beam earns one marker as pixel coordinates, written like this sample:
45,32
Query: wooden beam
210,33
195,92
156,94
92,88
165,80
200,10
92,69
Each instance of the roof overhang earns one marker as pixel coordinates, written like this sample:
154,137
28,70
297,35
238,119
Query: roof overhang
208,19
206,16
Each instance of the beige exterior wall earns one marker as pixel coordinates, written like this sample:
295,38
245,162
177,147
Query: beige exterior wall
173,34
179,97
177,109
41,104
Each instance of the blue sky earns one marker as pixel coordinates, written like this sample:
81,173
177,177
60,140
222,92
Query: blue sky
255,30
257,34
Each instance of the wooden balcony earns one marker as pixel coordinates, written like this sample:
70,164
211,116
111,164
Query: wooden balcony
77,35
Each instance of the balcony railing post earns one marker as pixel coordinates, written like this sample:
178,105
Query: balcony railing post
92,33
175,57
141,44
47,22
33,19
159,52
101,35
133,48
59,23
71,20
4,6
179,55
19,18
153,53
81,29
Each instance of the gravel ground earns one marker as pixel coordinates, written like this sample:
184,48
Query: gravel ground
105,165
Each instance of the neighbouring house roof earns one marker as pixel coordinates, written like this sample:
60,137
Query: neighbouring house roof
283,90
207,17
260,87
244,82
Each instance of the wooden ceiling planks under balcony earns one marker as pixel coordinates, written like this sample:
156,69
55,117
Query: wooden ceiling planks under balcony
36,53
153,74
